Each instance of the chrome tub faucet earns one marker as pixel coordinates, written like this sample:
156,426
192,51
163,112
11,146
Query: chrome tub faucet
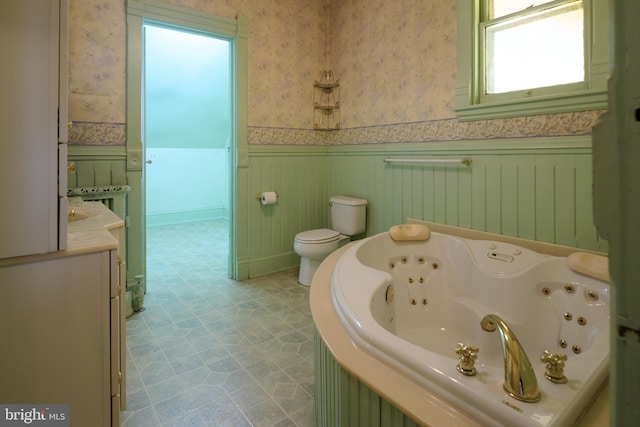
519,378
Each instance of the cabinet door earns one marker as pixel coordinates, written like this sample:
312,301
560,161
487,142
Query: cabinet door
29,77
55,335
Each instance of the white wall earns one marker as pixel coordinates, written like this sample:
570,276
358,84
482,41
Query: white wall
186,184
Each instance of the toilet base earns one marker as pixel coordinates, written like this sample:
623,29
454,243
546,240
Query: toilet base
308,268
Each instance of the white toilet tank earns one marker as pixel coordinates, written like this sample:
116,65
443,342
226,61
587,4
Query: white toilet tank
348,215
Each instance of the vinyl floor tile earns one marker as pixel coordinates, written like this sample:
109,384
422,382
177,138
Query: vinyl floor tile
211,351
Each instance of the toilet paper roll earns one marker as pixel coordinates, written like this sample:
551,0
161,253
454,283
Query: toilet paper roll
269,198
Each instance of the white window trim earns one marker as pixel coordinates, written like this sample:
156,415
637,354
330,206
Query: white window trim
592,96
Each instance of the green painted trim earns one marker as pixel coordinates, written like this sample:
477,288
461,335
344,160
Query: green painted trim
515,146
549,104
181,17
107,152
239,215
540,145
135,236
468,102
287,150
616,189
242,268
273,263
236,31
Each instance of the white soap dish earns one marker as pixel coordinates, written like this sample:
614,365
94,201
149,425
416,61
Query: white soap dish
410,232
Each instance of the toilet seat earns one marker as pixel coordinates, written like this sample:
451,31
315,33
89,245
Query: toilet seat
322,235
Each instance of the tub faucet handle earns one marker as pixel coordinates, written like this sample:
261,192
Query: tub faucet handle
554,366
466,361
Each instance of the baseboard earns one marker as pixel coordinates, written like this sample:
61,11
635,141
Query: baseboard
273,264
178,217
242,269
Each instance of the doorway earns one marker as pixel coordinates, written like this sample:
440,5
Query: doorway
187,126
144,13
187,137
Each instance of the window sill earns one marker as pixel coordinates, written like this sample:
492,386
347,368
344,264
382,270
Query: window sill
577,101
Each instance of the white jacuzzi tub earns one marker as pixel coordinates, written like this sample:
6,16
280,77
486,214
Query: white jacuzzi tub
409,303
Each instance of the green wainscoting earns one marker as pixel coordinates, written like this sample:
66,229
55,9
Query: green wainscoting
299,175
537,189
342,400
97,165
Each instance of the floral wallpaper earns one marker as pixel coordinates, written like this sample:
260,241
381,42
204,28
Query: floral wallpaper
396,62
287,51
97,61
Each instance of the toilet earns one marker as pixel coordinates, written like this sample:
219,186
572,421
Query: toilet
348,218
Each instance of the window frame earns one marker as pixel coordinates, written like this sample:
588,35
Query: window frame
470,102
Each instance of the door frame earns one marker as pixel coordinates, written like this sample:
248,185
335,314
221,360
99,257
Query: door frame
140,12
616,203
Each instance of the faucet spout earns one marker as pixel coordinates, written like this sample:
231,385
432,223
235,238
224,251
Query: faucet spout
519,378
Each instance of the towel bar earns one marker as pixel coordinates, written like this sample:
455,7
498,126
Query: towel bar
465,161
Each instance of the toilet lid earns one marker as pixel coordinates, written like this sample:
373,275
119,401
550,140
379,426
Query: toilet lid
323,235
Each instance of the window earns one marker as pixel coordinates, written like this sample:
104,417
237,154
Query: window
525,57
533,48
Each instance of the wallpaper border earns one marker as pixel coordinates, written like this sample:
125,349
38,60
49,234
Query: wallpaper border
548,125
99,134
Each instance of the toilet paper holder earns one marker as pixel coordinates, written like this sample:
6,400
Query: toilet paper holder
259,195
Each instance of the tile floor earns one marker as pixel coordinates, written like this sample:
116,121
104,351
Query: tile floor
211,351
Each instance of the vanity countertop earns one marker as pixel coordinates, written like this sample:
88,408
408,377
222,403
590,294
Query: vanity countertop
89,232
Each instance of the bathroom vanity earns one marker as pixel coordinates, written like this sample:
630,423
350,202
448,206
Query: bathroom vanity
62,317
